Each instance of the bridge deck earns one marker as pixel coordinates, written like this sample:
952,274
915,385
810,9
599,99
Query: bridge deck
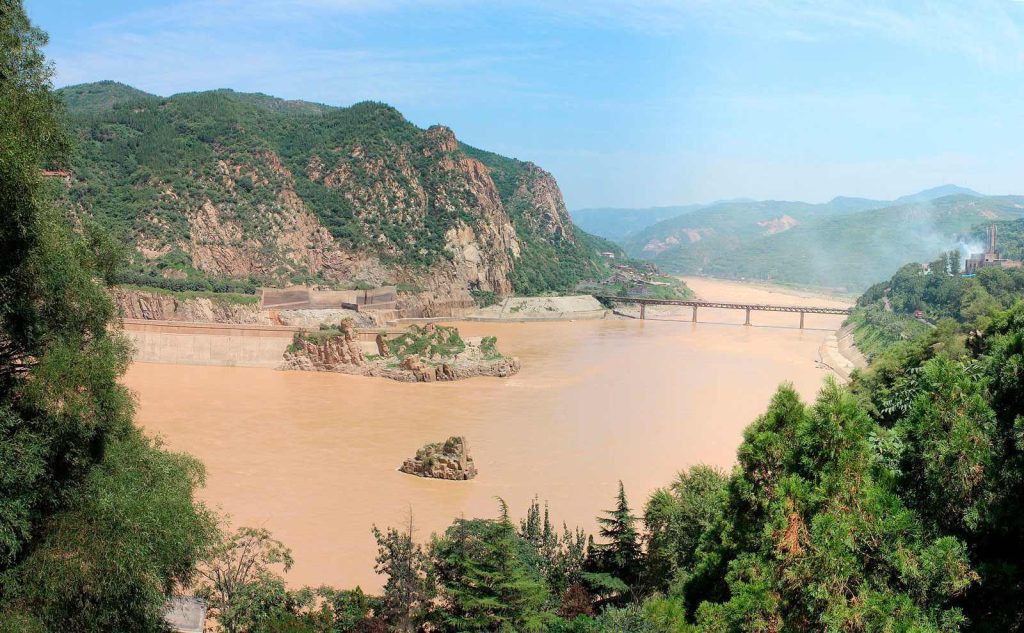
763,307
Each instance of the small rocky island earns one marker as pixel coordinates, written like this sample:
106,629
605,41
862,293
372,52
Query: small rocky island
430,353
448,460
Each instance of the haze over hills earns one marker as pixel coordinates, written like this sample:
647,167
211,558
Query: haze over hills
845,243
616,223
248,187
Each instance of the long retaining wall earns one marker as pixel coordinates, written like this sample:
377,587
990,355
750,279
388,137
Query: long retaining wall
209,343
233,345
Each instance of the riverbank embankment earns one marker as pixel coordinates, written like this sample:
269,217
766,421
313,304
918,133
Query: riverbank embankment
525,309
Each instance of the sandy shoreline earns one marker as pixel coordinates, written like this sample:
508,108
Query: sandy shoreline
710,288
836,352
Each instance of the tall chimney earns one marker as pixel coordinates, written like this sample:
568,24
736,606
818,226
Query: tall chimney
992,234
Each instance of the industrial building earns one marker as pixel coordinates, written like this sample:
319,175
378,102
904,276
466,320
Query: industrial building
989,258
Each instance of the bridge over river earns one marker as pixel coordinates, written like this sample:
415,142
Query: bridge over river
727,305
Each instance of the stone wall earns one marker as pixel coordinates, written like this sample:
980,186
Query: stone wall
209,343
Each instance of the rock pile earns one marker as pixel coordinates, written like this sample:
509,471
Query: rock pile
448,460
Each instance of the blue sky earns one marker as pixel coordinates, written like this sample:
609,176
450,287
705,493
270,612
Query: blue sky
627,102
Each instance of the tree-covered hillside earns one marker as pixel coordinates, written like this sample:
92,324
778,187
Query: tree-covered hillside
228,185
919,297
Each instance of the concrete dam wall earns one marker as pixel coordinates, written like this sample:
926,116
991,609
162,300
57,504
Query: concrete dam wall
209,343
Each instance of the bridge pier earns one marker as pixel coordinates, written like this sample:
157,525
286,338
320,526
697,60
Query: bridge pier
748,317
801,319
643,311
694,314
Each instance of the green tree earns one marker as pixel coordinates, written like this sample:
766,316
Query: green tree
562,556
240,582
410,583
490,579
815,538
949,446
97,524
676,519
620,556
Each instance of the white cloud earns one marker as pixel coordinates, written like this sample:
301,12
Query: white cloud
989,31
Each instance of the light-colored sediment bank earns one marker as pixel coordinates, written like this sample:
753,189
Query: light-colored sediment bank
314,456
526,309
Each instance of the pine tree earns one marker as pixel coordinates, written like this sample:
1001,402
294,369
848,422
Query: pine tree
620,555
490,578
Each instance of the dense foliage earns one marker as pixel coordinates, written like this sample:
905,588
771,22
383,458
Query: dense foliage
97,523
428,341
918,297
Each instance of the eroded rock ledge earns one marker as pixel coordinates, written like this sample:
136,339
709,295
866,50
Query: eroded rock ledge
429,354
448,460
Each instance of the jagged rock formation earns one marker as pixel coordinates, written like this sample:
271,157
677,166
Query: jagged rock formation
336,350
442,355
414,369
447,460
227,185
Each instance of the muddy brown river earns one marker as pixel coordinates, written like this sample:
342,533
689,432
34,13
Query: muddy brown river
313,457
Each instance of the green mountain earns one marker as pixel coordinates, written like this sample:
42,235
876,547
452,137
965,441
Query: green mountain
617,224
845,243
936,192
248,187
99,96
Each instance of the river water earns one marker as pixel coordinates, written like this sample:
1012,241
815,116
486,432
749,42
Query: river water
313,457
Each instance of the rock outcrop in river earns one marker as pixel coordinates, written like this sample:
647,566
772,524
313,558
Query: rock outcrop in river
448,460
432,353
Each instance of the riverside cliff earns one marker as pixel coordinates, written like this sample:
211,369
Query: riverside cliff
227,186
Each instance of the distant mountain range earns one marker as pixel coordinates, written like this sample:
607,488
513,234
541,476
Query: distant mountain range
845,243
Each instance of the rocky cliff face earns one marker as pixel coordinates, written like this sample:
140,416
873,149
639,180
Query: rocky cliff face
538,196
336,352
227,185
413,189
135,304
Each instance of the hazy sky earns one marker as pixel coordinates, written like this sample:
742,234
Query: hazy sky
628,103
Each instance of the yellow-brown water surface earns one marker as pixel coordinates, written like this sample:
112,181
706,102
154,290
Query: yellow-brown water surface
313,456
